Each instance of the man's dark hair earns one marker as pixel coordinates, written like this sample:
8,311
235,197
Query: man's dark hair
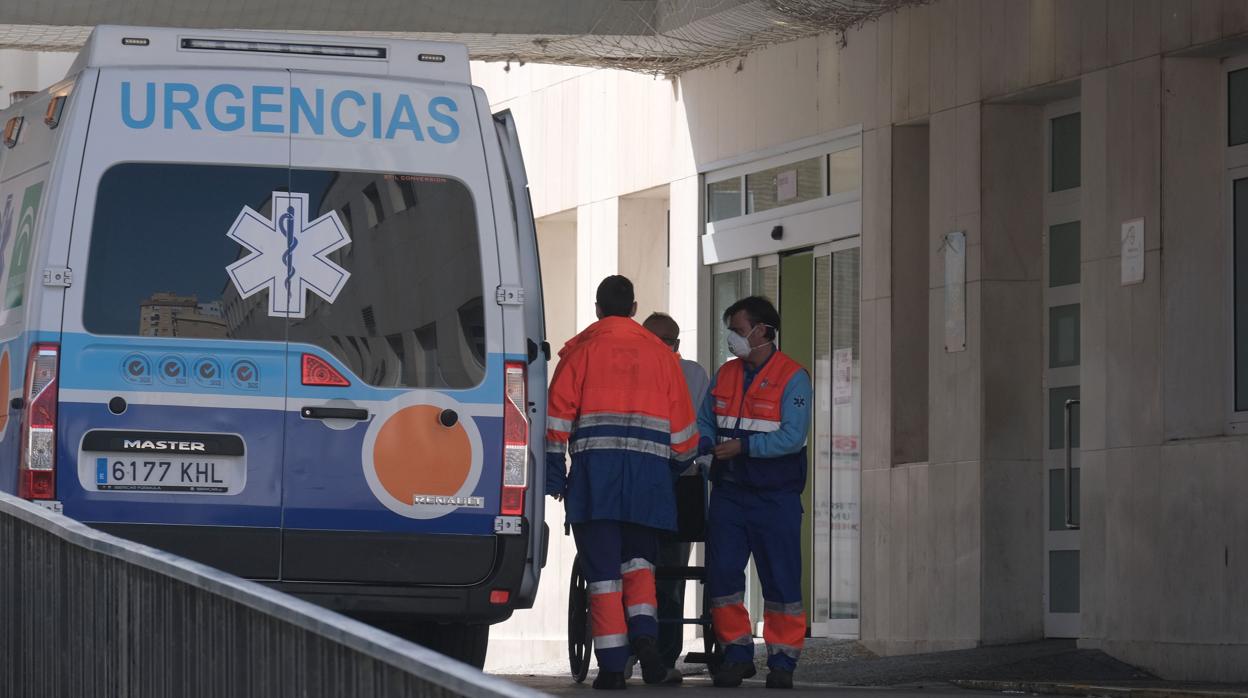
615,296
664,327
757,310
657,318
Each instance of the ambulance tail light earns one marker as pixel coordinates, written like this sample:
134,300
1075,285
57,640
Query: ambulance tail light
515,439
37,473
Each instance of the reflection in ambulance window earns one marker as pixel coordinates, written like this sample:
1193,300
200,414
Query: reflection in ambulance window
410,315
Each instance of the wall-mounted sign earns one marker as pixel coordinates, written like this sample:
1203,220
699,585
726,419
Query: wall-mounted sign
954,249
1133,251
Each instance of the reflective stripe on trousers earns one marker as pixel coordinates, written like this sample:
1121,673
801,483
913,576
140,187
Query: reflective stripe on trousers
616,560
606,613
784,628
730,620
640,598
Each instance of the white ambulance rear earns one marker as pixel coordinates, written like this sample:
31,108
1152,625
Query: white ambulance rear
272,302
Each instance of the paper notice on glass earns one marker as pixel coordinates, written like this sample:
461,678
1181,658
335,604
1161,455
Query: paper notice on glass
1133,252
954,249
823,389
786,185
843,376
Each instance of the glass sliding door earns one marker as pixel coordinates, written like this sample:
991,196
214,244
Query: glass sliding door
817,294
836,447
797,339
767,278
730,283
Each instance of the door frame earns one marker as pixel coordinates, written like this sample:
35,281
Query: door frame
821,572
1059,207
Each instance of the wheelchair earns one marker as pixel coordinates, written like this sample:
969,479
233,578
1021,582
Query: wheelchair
691,509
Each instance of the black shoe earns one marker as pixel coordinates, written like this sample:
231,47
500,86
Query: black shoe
610,681
653,670
779,678
731,674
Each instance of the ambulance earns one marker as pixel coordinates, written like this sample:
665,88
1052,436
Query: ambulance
272,302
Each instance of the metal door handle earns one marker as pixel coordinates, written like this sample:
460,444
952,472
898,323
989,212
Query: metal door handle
1070,479
334,413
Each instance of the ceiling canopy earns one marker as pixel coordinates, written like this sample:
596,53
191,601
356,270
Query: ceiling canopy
652,36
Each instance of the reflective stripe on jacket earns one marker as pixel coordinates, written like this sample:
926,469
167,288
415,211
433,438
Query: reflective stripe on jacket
619,405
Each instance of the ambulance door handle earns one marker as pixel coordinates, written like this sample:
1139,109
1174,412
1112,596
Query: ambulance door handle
334,413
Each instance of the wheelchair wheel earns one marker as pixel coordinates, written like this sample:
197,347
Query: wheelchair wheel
580,637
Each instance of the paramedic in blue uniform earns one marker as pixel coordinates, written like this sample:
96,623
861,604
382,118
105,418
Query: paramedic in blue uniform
618,404
672,551
755,420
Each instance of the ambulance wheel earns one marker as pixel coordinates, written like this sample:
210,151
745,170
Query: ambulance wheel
580,638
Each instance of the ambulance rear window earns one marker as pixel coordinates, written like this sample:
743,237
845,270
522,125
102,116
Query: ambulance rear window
197,251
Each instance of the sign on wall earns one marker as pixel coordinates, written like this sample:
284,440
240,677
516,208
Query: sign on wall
954,249
1133,251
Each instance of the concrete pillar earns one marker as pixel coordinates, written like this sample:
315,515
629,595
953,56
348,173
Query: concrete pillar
879,542
1139,499
597,253
1011,344
643,249
1163,508
684,250
1196,244
556,241
951,480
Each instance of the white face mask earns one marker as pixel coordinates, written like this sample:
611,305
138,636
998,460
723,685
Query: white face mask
740,346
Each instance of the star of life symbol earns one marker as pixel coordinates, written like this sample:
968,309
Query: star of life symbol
288,255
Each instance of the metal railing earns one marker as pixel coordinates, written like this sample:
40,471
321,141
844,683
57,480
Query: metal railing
83,613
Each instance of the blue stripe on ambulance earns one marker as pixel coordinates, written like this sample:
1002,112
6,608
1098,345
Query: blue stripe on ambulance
98,367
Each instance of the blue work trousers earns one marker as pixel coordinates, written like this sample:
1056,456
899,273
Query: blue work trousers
767,525
617,559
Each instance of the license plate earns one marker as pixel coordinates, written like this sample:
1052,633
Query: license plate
202,475
142,461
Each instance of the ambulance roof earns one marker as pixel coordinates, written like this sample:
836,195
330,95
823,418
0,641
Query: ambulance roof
137,47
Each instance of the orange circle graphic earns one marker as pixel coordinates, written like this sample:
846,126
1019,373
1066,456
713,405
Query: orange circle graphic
4,390
414,454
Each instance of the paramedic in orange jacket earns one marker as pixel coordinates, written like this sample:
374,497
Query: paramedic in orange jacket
619,405
755,420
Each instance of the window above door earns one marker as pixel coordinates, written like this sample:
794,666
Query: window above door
798,195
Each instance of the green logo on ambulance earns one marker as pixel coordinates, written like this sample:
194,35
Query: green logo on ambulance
20,258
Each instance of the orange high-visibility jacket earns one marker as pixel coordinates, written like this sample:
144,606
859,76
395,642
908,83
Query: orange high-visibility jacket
619,404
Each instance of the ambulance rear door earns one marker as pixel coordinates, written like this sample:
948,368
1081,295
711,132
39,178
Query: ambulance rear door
172,382
394,417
